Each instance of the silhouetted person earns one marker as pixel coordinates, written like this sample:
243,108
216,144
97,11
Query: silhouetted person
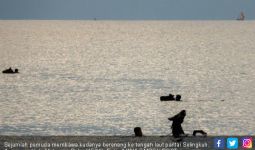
176,125
178,97
16,71
138,131
171,96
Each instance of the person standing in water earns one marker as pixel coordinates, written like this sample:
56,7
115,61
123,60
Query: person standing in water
176,125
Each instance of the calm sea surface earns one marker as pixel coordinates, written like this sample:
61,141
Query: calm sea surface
106,77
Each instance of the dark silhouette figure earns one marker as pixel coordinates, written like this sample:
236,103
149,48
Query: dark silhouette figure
176,125
10,71
199,131
170,98
178,97
138,131
167,98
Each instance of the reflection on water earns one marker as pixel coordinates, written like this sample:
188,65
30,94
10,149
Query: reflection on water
106,77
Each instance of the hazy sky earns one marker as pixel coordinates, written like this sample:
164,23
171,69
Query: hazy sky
126,9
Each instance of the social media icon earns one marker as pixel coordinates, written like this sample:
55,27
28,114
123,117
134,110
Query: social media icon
247,143
232,143
219,143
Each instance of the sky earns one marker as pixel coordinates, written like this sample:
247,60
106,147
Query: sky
127,9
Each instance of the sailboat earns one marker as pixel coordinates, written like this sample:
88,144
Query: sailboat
241,17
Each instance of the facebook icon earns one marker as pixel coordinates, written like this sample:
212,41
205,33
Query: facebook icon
219,143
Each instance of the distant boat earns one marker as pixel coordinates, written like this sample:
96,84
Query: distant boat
241,17
10,71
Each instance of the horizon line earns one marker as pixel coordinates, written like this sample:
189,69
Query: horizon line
96,19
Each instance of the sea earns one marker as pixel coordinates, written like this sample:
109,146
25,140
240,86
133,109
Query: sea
105,77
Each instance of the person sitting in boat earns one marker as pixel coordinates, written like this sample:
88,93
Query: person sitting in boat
11,71
176,125
178,97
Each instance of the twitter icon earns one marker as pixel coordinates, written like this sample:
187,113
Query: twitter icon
232,143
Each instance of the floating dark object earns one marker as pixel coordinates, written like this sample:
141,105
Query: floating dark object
199,131
170,98
138,131
178,97
167,98
10,71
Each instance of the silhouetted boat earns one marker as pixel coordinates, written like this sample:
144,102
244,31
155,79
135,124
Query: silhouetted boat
10,71
241,17
170,98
